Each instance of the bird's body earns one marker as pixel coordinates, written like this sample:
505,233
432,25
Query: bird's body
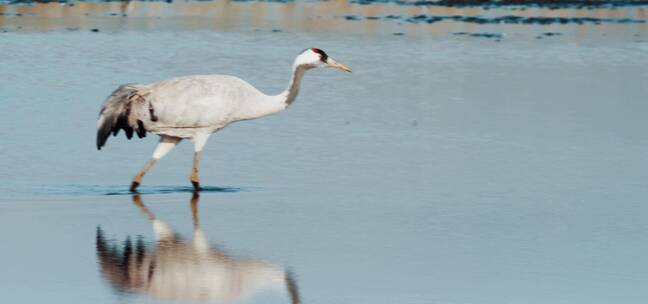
206,103
185,106
194,107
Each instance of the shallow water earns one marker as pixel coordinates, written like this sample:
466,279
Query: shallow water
448,168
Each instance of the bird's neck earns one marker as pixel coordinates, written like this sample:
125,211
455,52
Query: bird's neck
273,104
288,96
291,92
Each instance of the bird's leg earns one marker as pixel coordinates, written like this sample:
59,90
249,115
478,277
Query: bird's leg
166,144
199,142
137,180
195,180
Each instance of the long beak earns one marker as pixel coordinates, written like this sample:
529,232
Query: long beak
332,63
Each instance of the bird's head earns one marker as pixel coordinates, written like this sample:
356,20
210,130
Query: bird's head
316,58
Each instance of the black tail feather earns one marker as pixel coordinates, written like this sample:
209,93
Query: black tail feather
115,115
141,131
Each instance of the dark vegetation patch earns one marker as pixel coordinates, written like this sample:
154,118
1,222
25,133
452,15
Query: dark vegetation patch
17,14
480,35
510,19
548,34
549,4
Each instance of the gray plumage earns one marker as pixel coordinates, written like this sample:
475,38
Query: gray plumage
194,107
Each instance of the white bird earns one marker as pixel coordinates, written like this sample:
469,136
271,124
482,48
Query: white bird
194,107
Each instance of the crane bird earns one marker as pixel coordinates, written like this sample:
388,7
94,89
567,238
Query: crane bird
187,270
194,107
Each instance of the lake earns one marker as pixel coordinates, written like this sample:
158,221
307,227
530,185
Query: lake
476,154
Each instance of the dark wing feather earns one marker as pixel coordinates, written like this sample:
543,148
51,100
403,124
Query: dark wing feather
116,112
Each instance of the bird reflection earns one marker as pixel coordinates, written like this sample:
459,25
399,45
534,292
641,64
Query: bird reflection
177,269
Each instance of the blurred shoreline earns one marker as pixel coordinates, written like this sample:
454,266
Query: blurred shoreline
624,19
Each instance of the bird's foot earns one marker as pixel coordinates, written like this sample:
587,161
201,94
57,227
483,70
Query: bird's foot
196,185
134,185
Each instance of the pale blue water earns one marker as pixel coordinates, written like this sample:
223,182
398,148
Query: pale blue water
442,170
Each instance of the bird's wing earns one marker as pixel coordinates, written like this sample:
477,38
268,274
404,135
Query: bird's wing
121,111
196,101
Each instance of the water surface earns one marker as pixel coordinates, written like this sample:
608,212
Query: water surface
447,168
